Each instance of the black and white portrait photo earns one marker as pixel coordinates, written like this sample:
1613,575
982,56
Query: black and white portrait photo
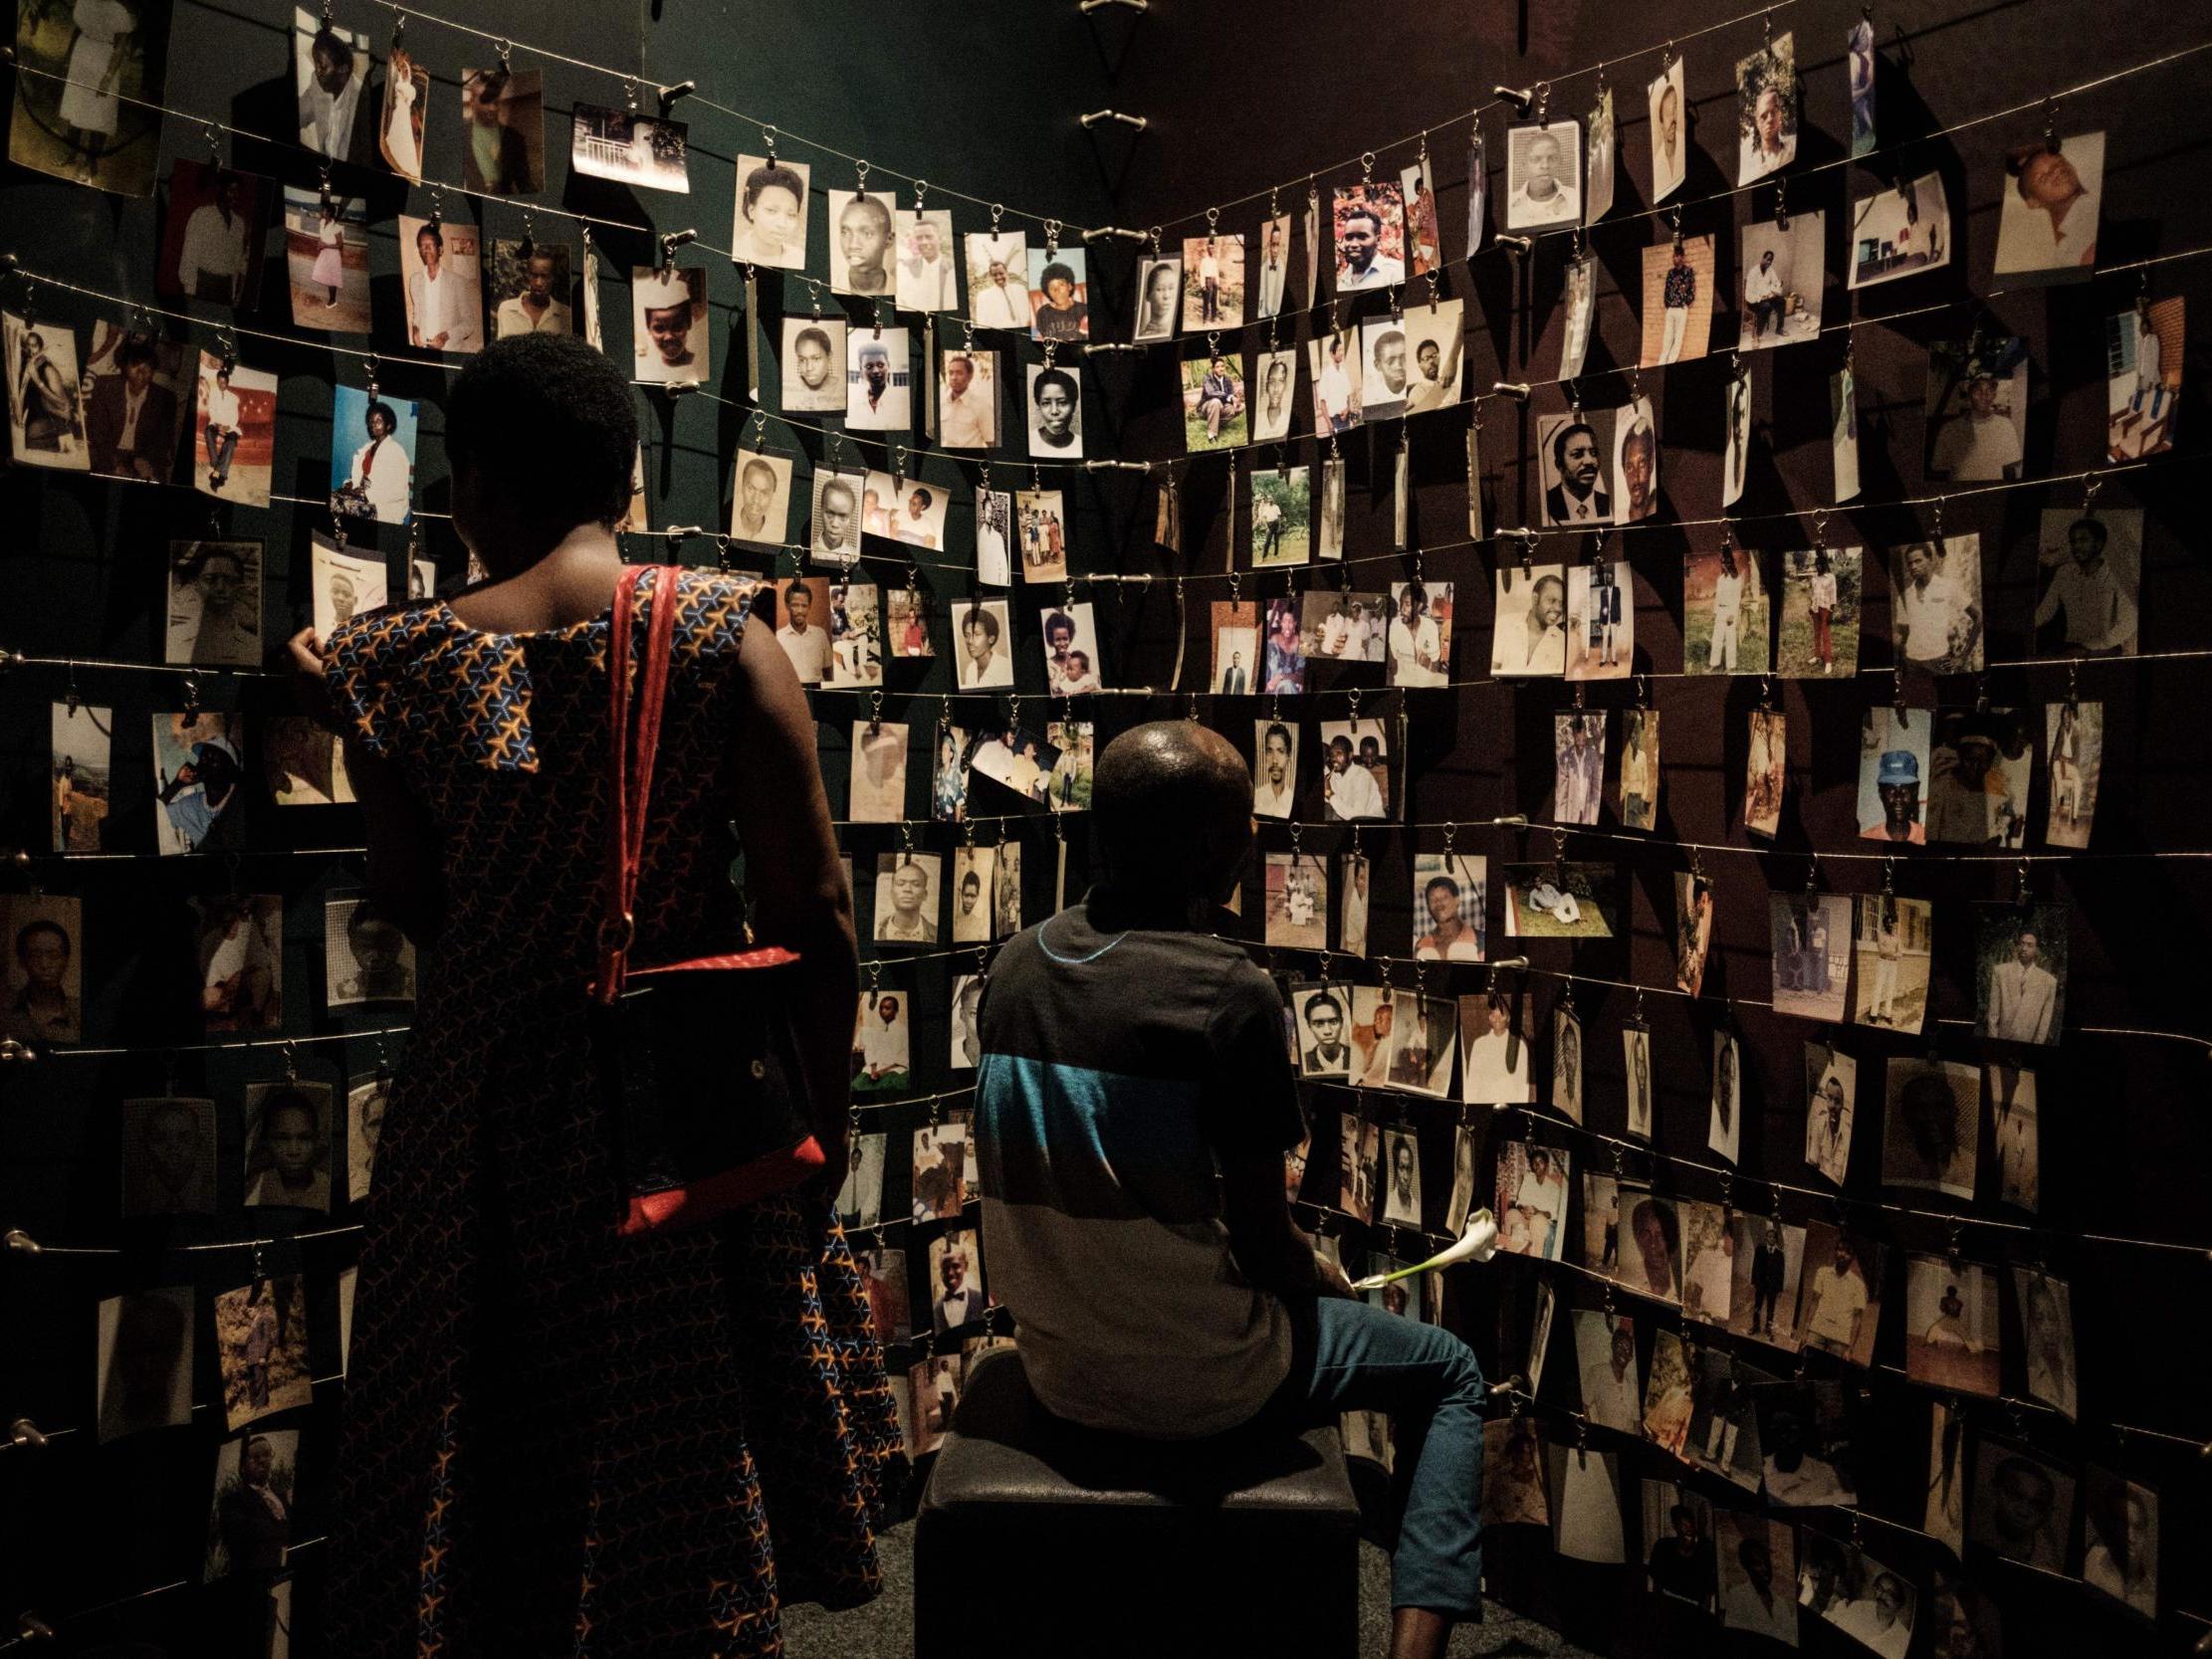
288,1145
2047,230
1543,175
1275,378
1766,109
813,360
145,1361
760,498
836,523
342,584
769,225
214,604
366,958
863,245
1270,272
984,636
926,278
137,397
1780,268
42,977
2023,1506
647,151
1159,299
668,324
878,792
1400,1178
1635,1065
46,411
906,897
1324,1030
1055,413
879,394
974,869
1670,127
2119,1539
1931,1125
365,1106
169,1156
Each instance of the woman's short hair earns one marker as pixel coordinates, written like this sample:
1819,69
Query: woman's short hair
546,419
774,177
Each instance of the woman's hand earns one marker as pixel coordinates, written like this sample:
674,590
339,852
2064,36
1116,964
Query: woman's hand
304,655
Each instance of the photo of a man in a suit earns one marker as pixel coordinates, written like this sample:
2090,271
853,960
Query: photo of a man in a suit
256,1523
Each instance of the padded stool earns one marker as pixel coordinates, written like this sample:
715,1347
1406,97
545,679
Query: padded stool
1036,1535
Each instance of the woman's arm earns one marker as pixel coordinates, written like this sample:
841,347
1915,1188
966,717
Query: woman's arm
793,875
406,878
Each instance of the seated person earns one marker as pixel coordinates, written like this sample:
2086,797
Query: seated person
1132,1112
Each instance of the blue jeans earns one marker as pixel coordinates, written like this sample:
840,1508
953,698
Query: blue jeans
1352,1357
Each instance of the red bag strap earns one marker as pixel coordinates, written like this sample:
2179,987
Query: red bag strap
630,756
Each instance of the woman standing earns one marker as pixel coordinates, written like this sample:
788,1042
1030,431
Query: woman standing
582,1429
329,260
103,32
46,400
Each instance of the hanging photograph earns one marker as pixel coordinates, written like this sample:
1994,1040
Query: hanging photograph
1159,299
968,400
1821,593
1566,1062
2020,973
1041,522
907,613
372,456
906,897
836,520
1758,1572
1843,438
1765,770
760,499
82,740
1724,1114
1636,458
629,148
261,1339
1580,304
925,279
1351,882
1368,236
1586,1504
2119,1539
1782,276
1383,359
1417,187
197,773
1951,1325
1724,612
1611,1381
1766,109
1806,1434
1831,1087
502,116
1281,516
856,646
1355,775
407,101
144,1366
1323,1051
168,1156
2142,349
1899,231
250,1525
42,975
88,77
1543,175
879,394
366,956
1601,626
46,410
342,583
1977,409
1573,449
1333,365
1560,900
1640,771
998,280
1345,625
1693,930
1056,413
1070,645
212,231
1667,103
441,278
1931,1125
214,604
2074,743
878,779
1893,767
1271,279
2046,1307
1578,765
1419,640
2023,1506
2090,567
1529,636
365,1106
1449,906
1769,1267
1677,308
527,287
2047,230
1978,770
1059,295
1296,910
134,404
329,72
327,260
1270,413
814,356
288,1145
1531,1190
769,225
2013,1118
240,963
1892,968
1597,189
668,317
1022,761
1328,540
1213,283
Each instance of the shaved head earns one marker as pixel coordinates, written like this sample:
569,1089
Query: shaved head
1170,811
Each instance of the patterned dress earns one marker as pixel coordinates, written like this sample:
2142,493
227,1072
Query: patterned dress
559,1441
